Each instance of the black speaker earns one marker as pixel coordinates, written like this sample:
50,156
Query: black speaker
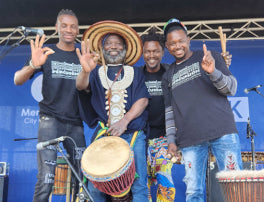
3,188
213,189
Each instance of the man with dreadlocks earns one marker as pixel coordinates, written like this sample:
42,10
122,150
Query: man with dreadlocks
159,166
59,113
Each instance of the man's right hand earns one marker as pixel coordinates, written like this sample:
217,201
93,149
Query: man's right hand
39,55
87,59
227,57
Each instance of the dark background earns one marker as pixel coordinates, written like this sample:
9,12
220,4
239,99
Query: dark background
43,13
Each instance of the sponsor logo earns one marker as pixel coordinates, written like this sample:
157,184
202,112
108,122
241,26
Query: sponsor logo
29,115
240,108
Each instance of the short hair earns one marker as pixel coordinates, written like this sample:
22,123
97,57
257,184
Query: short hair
153,36
174,27
66,12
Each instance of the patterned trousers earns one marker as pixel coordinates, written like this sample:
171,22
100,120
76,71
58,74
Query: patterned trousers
159,170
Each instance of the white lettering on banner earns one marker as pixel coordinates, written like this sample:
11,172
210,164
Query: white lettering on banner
30,121
240,108
29,112
31,115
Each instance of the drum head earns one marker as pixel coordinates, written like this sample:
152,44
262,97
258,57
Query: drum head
105,156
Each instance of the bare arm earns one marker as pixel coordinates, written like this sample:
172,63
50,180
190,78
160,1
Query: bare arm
21,76
82,80
135,111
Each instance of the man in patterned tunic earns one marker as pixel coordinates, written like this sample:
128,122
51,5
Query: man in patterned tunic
118,93
159,166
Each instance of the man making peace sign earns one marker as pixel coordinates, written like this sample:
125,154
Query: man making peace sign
198,115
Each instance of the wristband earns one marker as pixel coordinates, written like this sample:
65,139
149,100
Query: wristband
32,66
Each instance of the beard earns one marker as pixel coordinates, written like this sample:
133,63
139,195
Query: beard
117,59
180,58
152,67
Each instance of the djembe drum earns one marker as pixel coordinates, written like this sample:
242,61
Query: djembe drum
60,179
109,164
242,186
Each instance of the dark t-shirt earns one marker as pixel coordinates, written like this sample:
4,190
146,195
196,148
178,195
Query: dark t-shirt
59,86
97,100
156,108
201,113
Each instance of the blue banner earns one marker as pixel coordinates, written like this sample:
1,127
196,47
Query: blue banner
19,111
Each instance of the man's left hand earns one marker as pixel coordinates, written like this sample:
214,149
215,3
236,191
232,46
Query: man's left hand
208,63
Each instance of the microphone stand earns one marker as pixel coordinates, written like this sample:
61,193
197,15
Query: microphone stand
251,133
13,46
82,196
20,139
257,91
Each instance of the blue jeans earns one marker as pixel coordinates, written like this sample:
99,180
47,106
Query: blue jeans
139,187
50,128
227,152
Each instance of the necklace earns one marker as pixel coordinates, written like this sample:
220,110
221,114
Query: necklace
116,93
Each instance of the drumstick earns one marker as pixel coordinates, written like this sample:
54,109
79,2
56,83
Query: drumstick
225,49
223,42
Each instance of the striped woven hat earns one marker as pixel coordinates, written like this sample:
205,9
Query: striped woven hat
96,33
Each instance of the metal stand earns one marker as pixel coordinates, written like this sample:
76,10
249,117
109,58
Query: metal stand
258,92
20,139
13,46
85,195
251,133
